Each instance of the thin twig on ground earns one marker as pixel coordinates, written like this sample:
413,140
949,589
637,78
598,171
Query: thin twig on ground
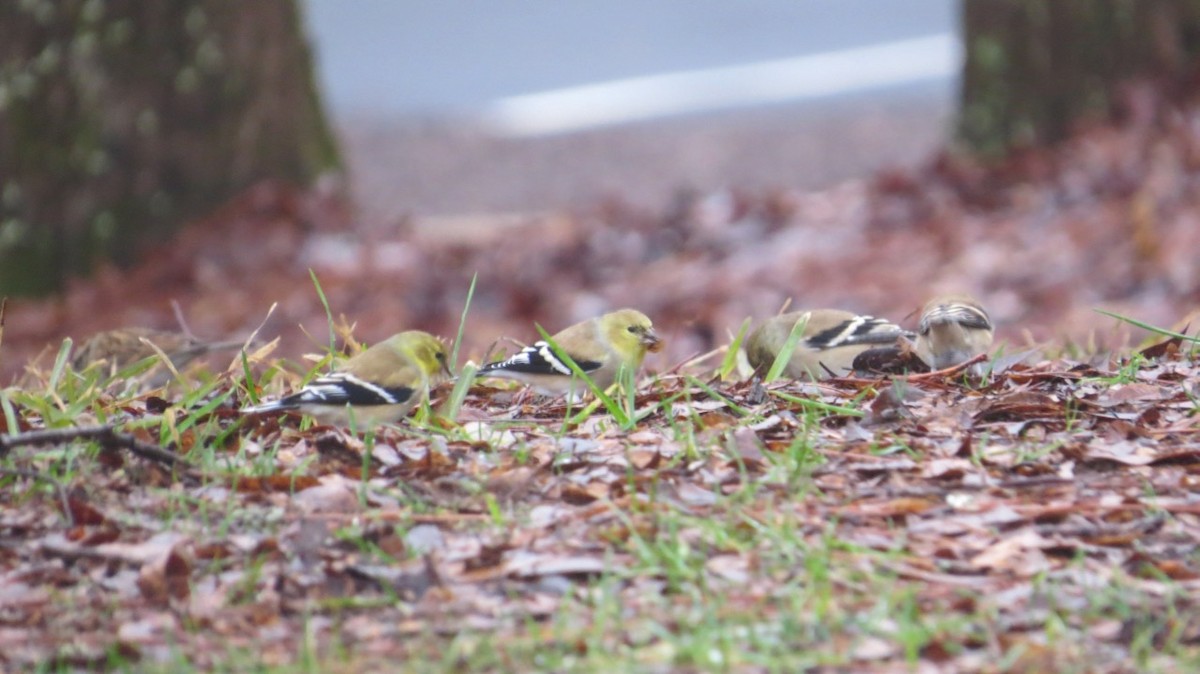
936,374
105,435
953,370
183,324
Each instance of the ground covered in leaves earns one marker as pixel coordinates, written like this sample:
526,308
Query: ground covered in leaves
1044,520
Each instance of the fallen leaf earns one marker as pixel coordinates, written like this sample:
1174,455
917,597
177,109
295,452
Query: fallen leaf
165,577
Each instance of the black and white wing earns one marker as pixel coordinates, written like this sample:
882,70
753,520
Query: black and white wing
537,359
343,388
855,331
338,389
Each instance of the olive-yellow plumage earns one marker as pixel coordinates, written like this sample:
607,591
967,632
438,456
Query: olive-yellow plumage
381,384
600,346
828,342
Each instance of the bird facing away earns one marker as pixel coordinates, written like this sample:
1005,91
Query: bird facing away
828,342
122,347
953,329
381,384
600,346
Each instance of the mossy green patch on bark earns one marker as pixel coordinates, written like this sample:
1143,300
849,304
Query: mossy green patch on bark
120,120
1035,69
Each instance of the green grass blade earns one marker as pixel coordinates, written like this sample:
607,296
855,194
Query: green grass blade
136,368
818,405
251,384
1152,328
462,322
730,361
60,363
785,354
328,312
585,412
627,389
195,414
10,414
609,404
462,386
742,411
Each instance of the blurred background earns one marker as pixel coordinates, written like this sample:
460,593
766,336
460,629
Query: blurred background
707,162
529,106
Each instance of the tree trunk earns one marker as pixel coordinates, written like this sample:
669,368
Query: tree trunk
1034,68
121,118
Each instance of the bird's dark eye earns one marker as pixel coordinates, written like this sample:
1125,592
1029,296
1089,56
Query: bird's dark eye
632,328
441,357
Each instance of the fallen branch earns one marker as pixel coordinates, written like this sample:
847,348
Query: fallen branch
953,370
936,374
105,435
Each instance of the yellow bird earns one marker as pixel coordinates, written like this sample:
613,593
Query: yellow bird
600,346
381,384
828,343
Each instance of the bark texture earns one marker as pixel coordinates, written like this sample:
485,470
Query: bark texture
120,119
1034,68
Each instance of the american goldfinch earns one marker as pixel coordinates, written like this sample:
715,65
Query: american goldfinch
599,346
125,346
828,343
953,329
378,385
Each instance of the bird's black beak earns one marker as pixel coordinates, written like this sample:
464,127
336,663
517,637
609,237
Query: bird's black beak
444,361
651,340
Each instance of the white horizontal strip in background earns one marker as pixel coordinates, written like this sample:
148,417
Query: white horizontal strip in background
641,98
